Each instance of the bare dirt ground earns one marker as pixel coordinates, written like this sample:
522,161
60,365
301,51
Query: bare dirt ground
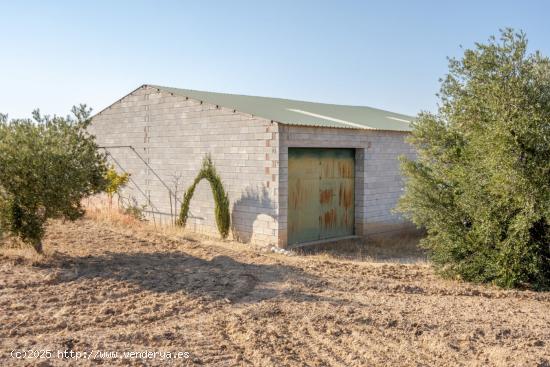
103,287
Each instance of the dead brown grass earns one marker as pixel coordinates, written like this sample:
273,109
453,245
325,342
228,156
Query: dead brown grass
400,247
106,285
99,210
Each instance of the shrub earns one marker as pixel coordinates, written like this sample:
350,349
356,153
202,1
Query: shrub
46,167
481,183
221,211
133,209
115,182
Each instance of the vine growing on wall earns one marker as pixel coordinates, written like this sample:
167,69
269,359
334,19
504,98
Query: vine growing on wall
221,201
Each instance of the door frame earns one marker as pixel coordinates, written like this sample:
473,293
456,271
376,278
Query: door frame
356,156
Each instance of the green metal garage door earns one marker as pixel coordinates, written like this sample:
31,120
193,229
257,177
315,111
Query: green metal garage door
320,193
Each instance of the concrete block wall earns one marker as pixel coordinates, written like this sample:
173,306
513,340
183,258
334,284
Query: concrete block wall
383,181
378,180
172,134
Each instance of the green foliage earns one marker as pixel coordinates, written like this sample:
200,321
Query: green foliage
208,172
132,208
481,183
115,182
46,167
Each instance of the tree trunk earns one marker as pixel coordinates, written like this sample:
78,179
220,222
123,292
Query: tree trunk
37,245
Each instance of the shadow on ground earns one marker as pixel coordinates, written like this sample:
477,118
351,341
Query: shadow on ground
222,277
400,248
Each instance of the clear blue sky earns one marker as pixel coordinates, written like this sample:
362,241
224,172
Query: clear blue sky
386,54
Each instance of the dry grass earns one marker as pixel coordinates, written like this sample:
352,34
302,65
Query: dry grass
121,286
99,209
391,248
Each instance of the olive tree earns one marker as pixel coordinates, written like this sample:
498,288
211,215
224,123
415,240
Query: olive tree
481,183
47,166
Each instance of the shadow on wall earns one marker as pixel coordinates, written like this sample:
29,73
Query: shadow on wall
253,204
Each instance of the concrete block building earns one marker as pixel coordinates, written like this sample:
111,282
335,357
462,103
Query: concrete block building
296,172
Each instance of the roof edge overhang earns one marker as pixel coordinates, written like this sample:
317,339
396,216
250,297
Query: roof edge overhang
176,91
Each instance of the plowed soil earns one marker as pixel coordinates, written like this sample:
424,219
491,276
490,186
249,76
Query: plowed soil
103,288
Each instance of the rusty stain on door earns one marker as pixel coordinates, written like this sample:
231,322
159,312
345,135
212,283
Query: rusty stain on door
320,193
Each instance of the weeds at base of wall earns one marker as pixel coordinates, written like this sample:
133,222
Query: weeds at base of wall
97,209
100,209
397,247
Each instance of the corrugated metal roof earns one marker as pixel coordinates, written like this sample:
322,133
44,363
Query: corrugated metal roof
304,113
